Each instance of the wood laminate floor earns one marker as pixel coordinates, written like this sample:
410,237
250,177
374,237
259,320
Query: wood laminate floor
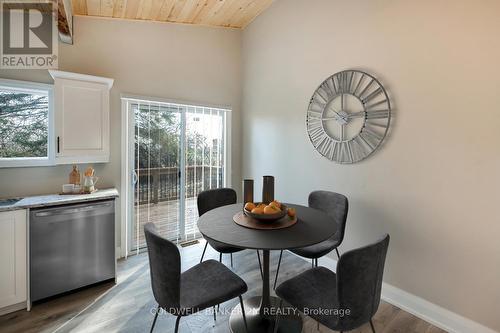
127,306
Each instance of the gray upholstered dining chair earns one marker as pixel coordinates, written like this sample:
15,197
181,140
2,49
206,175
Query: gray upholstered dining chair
355,287
211,199
181,294
335,205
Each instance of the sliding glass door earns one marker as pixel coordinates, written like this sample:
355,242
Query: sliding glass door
176,152
205,159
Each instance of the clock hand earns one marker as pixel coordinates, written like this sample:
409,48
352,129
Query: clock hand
335,118
360,114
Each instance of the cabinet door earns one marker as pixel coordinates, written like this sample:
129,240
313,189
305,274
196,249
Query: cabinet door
13,285
81,121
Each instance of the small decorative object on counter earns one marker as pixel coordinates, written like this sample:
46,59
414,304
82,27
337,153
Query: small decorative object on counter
268,189
89,181
68,188
247,191
74,176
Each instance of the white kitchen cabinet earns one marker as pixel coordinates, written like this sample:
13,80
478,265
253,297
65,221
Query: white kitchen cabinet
13,258
81,117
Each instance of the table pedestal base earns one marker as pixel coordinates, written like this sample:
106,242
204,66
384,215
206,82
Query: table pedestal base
289,321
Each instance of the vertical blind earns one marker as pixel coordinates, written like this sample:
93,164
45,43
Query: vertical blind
179,151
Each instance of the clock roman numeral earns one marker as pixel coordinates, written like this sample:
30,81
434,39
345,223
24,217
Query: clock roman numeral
315,132
324,146
361,150
341,80
371,106
314,125
327,90
333,151
340,152
316,106
349,86
370,133
377,114
366,140
362,93
349,150
319,140
372,95
312,116
317,135
319,99
344,82
323,94
361,78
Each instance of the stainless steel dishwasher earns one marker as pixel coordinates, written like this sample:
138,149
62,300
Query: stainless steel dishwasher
71,246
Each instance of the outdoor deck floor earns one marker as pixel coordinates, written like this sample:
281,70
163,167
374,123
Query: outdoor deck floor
165,215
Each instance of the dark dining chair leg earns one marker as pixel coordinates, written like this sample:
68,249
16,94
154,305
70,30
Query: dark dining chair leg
215,314
260,265
316,262
312,263
243,313
277,321
373,327
231,260
154,320
177,324
338,255
203,254
277,270
220,257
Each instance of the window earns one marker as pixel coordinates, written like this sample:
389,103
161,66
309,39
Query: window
25,124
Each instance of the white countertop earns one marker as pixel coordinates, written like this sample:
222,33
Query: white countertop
58,199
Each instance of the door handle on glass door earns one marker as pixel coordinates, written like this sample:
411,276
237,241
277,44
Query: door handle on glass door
134,177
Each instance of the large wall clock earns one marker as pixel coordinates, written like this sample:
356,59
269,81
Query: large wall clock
348,116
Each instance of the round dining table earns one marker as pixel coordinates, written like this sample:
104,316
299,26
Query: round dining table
313,226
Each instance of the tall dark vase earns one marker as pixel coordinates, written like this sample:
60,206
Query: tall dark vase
247,191
267,189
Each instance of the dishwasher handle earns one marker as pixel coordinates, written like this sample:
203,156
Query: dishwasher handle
65,211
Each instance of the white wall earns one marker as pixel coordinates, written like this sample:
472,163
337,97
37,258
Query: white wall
174,61
434,185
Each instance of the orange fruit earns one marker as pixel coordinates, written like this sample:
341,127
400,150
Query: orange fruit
291,212
261,205
249,206
258,210
271,209
275,203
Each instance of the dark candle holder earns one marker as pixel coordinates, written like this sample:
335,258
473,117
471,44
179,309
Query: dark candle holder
247,191
267,189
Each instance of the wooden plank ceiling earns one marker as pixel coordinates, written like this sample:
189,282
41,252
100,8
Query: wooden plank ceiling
224,13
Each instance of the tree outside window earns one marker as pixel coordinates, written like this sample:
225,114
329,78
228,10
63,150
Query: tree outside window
24,123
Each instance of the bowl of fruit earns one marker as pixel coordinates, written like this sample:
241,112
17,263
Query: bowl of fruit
265,212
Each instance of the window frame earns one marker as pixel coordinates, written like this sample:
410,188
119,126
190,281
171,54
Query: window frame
49,160
127,153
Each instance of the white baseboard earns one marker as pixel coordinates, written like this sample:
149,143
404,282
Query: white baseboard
419,307
12,308
430,312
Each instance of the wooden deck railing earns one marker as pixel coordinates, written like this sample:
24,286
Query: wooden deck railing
163,184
